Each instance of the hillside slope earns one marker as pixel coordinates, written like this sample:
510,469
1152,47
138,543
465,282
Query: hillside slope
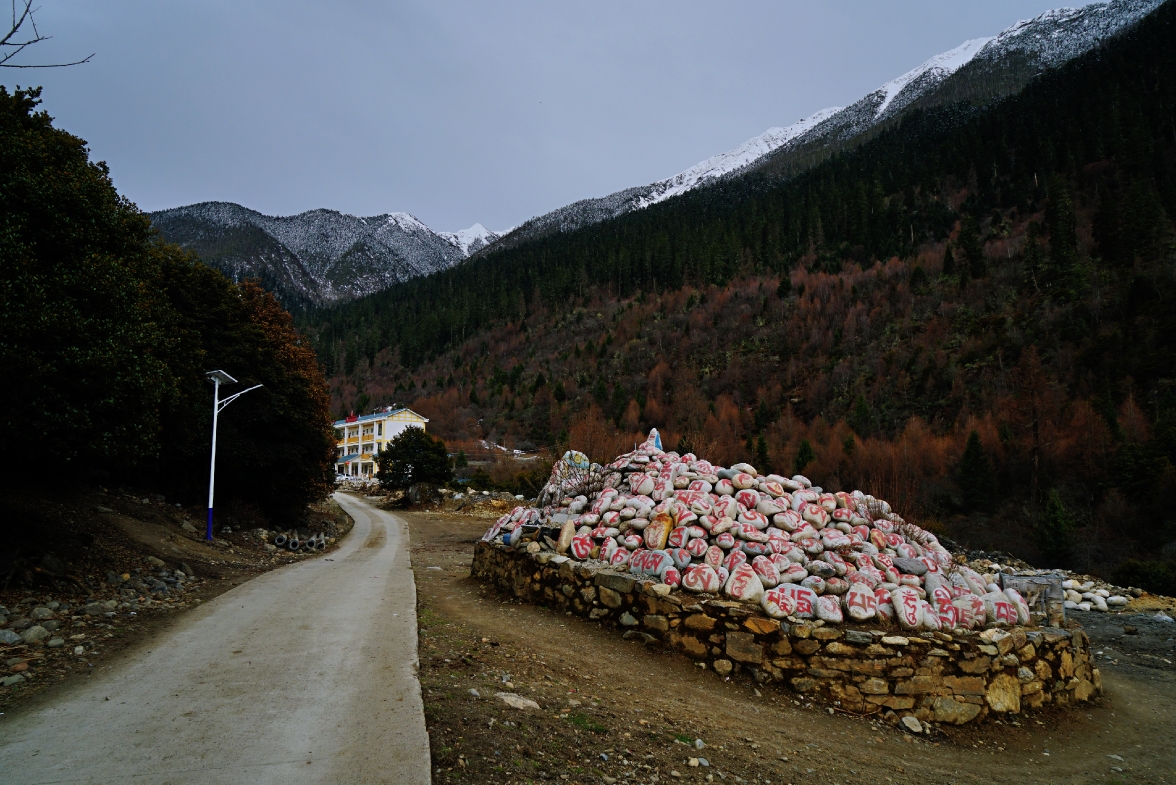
1007,271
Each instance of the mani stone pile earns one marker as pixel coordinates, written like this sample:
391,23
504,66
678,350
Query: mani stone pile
779,542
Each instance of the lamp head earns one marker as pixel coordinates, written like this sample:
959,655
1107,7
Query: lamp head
221,377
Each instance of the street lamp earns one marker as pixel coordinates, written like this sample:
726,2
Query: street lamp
218,378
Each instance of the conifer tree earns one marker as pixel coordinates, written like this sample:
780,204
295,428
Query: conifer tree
975,477
804,456
1055,532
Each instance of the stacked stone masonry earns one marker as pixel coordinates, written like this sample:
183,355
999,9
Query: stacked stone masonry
952,678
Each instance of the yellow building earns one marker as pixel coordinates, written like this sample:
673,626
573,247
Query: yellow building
360,439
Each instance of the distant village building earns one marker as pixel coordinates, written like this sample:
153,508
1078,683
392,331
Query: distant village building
360,439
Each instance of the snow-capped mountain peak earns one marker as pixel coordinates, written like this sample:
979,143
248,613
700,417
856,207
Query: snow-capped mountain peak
941,65
407,222
472,239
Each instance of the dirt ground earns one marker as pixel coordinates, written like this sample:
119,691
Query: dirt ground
617,711
83,534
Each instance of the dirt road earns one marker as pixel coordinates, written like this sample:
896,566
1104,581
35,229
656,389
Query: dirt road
618,711
304,674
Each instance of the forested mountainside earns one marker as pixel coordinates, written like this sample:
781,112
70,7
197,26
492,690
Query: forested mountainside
320,256
1008,272
977,72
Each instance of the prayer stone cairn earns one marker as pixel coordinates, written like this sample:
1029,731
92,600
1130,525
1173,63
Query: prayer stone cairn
833,593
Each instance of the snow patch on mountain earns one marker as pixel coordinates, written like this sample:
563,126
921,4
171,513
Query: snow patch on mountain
941,65
732,160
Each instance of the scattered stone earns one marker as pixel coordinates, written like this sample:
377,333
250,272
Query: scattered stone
912,724
34,634
517,701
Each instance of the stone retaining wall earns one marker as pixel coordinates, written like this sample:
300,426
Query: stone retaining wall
953,678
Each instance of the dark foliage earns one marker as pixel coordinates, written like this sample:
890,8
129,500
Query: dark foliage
1153,576
413,456
105,335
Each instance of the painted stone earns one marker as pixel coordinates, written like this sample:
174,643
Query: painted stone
714,556
778,604
658,531
793,573
755,548
906,607
788,520
814,582
701,578
581,546
748,531
804,599
742,481
816,515
734,559
860,602
949,616
766,570
1019,603
999,610
829,609
744,584
756,519
928,617
836,586
748,498
677,538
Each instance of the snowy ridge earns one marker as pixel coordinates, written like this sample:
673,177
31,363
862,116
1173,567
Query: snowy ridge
942,66
1046,41
319,256
1057,36
733,160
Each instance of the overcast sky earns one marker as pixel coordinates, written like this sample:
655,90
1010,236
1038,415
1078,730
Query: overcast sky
488,112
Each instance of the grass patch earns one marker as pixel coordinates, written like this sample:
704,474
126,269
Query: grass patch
682,737
584,722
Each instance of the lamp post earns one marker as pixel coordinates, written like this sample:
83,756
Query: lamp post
218,378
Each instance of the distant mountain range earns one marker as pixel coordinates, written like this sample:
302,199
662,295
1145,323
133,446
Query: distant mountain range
323,256
320,256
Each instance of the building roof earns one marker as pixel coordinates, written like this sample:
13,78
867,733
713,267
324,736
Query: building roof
348,458
377,416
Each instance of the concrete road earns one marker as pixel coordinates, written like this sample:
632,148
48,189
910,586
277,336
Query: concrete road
305,674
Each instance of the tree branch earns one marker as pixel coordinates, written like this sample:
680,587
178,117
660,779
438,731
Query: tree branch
16,47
